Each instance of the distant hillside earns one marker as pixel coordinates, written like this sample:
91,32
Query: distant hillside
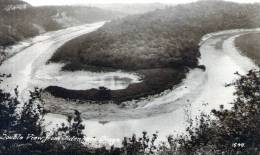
131,8
75,15
13,4
19,20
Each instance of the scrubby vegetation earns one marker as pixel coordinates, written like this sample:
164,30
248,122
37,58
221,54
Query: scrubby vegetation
249,44
232,131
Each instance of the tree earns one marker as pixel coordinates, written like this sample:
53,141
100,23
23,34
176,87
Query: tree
31,119
8,116
74,128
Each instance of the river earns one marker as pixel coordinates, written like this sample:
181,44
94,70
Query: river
165,113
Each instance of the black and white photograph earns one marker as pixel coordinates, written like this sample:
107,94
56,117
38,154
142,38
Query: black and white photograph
129,77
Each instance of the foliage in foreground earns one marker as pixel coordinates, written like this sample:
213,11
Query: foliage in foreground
233,131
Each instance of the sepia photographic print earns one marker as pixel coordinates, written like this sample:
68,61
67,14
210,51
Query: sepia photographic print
129,77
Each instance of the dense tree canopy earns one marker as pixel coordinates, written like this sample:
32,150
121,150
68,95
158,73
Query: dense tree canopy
162,38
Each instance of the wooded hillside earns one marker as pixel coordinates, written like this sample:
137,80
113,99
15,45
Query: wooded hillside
163,38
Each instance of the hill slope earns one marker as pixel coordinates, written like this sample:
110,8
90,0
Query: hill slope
163,38
19,20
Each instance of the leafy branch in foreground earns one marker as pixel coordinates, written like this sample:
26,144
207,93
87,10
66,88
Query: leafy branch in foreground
233,131
31,117
74,128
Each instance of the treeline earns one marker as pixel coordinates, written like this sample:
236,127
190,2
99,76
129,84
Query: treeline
162,38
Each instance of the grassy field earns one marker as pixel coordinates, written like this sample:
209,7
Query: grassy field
250,45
